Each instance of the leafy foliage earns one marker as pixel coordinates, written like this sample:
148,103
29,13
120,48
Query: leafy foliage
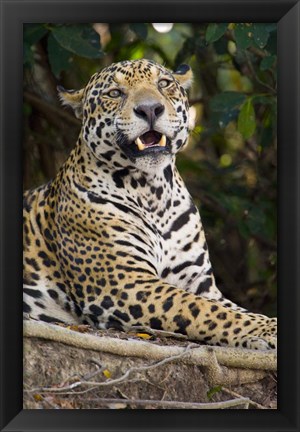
230,163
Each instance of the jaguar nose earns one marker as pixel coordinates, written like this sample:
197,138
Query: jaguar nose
150,113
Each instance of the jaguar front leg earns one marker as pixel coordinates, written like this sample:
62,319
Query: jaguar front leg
150,302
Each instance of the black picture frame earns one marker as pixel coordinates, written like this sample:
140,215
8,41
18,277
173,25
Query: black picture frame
16,12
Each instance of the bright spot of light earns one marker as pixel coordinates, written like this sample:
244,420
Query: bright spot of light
163,27
225,160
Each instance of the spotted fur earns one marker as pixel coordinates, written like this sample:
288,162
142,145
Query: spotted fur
115,239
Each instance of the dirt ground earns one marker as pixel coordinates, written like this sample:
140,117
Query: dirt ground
53,365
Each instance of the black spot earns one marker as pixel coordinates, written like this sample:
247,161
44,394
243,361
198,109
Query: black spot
168,303
214,308
99,129
136,311
222,315
129,286
168,174
34,276
40,305
47,234
165,272
155,323
26,308
142,181
79,290
187,247
107,302
82,278
182,324
114,323
227,325
108,155
122,315
237,330
178,143
53,294
194,309
199,260
49,319
118,177
212,326
96,310
134,183
33,292
159,192
204,286
151,308
159,289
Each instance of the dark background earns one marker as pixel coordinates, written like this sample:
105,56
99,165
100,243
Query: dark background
230,165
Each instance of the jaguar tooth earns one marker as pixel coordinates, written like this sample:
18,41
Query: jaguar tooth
139,143
163,141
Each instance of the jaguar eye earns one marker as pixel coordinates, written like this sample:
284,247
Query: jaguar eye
163,83
114,93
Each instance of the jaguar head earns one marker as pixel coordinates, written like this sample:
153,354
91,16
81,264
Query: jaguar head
136,110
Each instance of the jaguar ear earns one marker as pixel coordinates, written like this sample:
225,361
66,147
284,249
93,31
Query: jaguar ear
72,98
184,75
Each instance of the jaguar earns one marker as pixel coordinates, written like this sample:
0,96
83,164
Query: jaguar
115,240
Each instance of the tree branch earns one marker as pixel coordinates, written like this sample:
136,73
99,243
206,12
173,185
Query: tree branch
202,355
175,404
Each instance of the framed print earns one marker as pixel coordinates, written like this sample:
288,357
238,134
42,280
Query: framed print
144,274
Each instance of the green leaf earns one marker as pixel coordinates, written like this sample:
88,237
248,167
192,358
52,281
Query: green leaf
268,62
140,29
227,101
215,31
59,58
263,100
243,35
81,40
33,33
246,119
213,391
260,34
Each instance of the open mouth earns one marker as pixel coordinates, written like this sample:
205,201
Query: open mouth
151,139
150,143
